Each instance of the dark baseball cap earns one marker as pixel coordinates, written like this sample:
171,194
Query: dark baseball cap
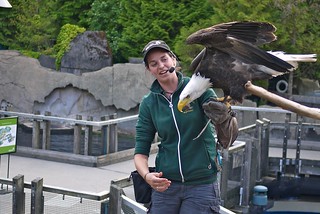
155,44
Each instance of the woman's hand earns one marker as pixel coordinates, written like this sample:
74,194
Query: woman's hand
155,180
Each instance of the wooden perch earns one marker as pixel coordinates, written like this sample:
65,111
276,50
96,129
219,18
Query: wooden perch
282,102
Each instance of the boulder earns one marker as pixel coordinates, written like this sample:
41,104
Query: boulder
88,52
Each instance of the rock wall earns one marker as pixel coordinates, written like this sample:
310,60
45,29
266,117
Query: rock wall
29,87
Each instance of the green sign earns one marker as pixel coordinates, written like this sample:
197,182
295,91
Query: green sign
8,135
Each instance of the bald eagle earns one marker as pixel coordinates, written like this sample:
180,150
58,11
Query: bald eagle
231,58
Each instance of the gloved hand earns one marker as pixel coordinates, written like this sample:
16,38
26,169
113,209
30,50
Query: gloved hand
217,111
224,120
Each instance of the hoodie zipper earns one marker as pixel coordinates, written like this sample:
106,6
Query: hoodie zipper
179,137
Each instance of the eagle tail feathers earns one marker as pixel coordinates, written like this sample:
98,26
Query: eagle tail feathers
251,54
293,59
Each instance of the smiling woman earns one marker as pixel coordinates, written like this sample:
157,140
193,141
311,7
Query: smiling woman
185,180
5,3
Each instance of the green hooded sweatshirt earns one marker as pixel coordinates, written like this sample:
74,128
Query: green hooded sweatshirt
181,157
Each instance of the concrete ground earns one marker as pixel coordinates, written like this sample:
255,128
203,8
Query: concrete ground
83,179
95,179
69,176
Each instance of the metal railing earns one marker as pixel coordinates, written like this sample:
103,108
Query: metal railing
244,165
106,130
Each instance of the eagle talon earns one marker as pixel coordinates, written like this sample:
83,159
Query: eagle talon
227,100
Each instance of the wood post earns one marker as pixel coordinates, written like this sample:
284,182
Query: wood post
77,136
115,199
88,138
18,196
37,199
36,133
46,133
113,135
104,136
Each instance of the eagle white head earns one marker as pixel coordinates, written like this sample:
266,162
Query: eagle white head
193,90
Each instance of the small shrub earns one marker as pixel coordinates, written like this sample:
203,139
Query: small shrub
67,33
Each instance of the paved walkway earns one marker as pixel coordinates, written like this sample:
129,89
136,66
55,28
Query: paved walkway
89,179
69,176
83,178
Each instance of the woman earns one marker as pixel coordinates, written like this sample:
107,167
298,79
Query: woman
185,180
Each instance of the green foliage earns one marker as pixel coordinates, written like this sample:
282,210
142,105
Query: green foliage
298,32
31,54
27,26
7,26
67,34
73,12
129,25
103,17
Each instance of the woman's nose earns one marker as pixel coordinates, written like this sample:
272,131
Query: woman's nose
161,64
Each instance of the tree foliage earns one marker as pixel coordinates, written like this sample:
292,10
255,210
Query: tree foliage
103,16
129,25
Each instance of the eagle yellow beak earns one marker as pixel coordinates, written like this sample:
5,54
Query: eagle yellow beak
183,103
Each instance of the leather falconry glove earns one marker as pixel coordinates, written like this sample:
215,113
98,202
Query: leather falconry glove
224,120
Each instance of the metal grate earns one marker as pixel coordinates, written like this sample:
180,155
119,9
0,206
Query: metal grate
5,200
53,203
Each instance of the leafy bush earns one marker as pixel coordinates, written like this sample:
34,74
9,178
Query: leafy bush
31,54
67,33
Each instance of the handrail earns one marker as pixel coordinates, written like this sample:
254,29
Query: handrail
63,191
274,110
69,120
118,120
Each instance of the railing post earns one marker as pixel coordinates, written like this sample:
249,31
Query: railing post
113,135
104,136
265,147
18,196
77,136
258,142
104,207
283,161
36,133
88,138
37,199
46,133
298,148
224,177
247,174
115,199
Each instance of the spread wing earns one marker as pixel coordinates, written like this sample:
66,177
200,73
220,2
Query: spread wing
231,56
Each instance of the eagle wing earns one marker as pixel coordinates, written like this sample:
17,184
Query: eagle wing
231,56
231,59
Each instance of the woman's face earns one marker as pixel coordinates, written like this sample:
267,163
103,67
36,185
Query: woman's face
159,62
